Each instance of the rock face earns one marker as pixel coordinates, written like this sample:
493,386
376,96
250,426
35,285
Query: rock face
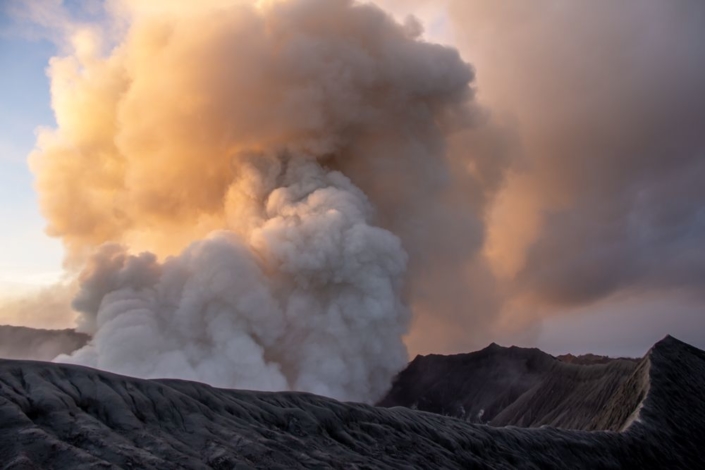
59,416
18,342
511,386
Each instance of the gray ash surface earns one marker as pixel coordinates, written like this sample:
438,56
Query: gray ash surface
652,415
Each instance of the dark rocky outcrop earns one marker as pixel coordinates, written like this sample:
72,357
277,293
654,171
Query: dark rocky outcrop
510,386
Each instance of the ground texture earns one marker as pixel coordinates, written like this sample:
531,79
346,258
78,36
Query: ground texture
512,387
69,417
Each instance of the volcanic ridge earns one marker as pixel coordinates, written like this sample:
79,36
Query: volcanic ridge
543,413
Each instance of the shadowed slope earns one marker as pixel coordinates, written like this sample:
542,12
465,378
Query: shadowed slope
509,386
59,416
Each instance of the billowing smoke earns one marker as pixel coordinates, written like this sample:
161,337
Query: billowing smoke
208,171
308,299
610,103
605,208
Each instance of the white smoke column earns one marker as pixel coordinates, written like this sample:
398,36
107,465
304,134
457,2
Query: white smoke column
226,145
310,302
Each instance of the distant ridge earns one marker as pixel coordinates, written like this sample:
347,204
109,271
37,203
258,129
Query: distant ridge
511,386
590,359
19,342
70,417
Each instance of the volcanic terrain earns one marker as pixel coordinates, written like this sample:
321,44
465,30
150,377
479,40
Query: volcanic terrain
18,342
512,386
623,414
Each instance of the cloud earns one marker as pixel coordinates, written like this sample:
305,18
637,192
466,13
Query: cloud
603,198
243,187
39,306
568,173
609,103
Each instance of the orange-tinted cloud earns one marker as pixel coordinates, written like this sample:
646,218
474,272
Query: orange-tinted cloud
589,188
283,163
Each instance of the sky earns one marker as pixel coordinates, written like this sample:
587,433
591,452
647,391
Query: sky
28,257
581,226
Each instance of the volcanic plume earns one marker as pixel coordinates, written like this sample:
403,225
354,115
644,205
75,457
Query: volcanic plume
240,185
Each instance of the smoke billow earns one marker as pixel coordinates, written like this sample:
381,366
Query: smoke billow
308,301
605,207
609,100
208,171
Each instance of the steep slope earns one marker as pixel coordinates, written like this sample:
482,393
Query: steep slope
510,386
18,342
59,416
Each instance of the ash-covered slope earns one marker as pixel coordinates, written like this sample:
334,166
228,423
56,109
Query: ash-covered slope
18,342
59,416
510,386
